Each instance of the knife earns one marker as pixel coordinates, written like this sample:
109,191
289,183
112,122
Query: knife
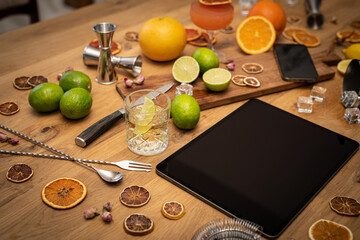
98,128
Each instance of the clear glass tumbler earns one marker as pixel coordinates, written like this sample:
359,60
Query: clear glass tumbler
147,124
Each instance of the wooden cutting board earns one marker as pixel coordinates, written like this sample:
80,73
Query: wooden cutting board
270,79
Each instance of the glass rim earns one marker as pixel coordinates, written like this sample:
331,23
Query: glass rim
168,100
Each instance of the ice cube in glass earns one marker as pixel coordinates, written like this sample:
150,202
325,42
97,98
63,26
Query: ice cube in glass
318,93
305,104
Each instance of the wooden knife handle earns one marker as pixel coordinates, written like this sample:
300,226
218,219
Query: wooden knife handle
98,128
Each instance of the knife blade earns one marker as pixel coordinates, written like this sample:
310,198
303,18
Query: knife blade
101,126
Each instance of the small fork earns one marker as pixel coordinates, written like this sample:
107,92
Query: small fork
125,164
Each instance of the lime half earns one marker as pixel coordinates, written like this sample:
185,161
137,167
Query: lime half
217,79
145,117
342,65
185,69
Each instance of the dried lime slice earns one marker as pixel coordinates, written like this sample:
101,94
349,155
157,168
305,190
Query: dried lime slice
21,83
144,119
217,79
9,108
36,80
19,172
138,224
185,69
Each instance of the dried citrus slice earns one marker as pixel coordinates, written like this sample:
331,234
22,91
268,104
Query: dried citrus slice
293,19
132,36
134,196
345,206
215,2
173,210
252,82
306,39
63,193
138,224
252,68
352,36
9,108
21,83
255,35
115,47
192,34
325,229
203,40
355,24
238,80
288,32
36,80
19,172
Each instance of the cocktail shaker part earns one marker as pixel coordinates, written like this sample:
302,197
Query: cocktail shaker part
134,64
314,18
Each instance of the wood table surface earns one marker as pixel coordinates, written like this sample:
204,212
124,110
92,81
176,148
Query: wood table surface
47,48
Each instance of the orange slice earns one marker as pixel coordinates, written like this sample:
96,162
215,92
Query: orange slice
63,193
345,206
203,40
192,34
215,2
306,39
325,229
134,196
173,210
115,47
255,35
138,224
288,33
19,172
21,83
9,108
352,36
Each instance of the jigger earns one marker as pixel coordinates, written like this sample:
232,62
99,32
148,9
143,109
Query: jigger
104,33
134,64
314,19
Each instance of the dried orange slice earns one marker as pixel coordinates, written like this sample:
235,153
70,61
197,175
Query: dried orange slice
288,32
345,206
132,36
238,80
352,36
173,210
9,108
255,35
19,172
134,196
64,193
325,229
306,39
215,2
203,40
192,34
36,80
115,47
252,68
138,224
21,83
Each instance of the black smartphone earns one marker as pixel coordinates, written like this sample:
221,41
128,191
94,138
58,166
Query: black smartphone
295,63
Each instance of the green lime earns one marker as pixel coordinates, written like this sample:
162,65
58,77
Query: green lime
75,79
45,97
145,117
76,103
206,58
185,69
217,79
185,111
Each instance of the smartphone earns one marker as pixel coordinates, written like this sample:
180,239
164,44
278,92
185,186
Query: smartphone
295,63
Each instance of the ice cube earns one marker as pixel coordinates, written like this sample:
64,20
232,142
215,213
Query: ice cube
350,99
318,93
305,104
352,115
184,88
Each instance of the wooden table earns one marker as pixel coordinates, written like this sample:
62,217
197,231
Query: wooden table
48,47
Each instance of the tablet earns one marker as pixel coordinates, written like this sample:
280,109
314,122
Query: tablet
259,163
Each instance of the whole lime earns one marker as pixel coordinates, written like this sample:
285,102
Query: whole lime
45,97
185,111
75,79
76,103
206,58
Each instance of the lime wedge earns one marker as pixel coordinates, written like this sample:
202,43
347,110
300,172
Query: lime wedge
342,65
185,69
217,79
145,117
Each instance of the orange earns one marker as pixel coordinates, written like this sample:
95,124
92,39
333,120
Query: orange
255,35
63,193
162,38
272,11
325,230
173,210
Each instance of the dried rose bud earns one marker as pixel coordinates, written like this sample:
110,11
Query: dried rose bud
69,69
106,216
3,137
230,61
59,76
13,141
139,80
334,20
90,213
230,66
128,82
107,206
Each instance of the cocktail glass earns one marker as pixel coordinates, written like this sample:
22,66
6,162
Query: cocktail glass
147,131
212,18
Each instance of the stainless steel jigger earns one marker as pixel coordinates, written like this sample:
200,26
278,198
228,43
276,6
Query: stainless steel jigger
105,73
134,64
314,19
